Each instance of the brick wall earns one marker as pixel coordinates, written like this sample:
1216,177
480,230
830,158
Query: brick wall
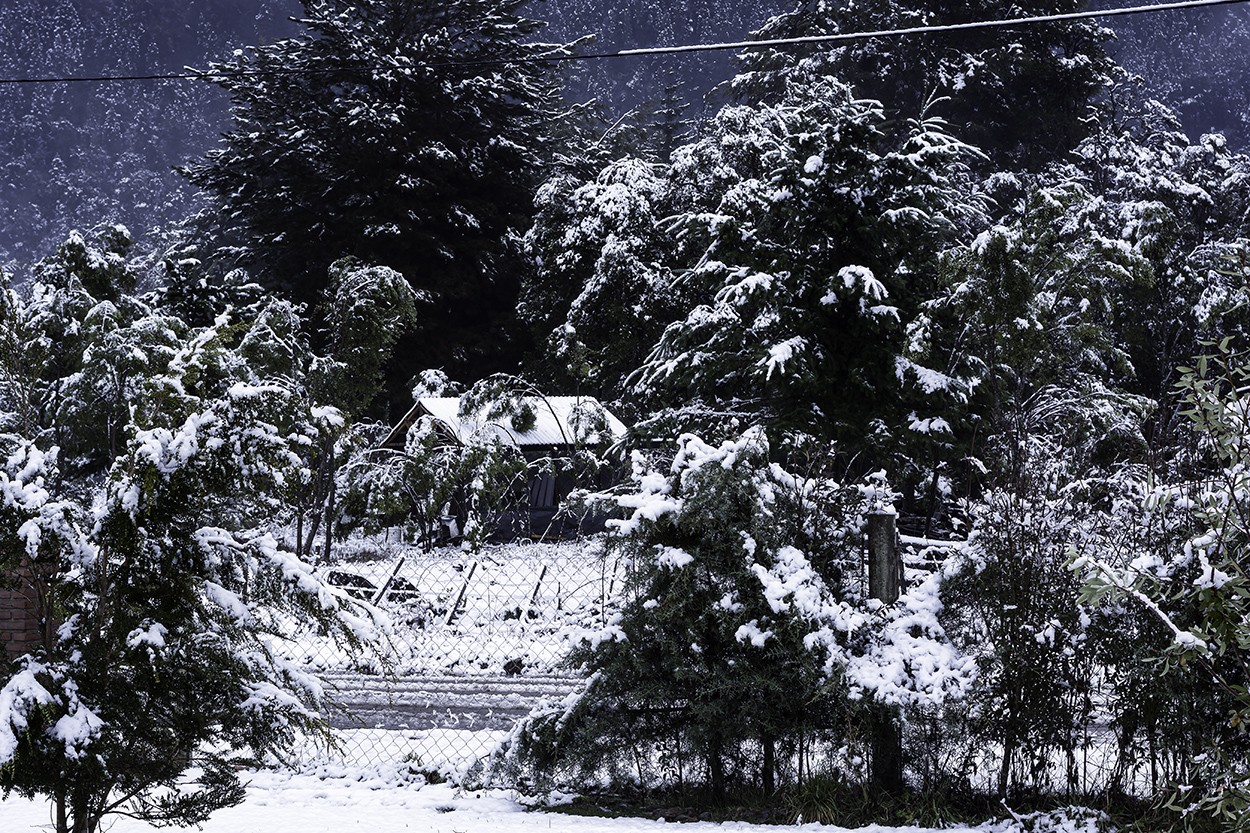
19,621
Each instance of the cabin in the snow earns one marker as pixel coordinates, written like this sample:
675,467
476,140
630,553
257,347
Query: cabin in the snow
540,427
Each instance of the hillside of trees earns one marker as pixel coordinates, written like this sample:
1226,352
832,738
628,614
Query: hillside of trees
80,154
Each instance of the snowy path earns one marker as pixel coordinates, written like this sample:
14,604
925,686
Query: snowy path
433,701
282,803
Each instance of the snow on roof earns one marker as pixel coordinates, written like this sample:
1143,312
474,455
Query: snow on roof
558,420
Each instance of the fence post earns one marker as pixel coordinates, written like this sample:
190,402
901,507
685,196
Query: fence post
885,578
885,567
454,607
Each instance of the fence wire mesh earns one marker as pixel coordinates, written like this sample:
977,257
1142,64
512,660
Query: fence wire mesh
476,641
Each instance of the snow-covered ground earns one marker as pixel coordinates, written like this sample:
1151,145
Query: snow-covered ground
306,803
509,609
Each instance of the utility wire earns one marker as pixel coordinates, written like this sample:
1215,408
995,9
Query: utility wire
844,37
925,30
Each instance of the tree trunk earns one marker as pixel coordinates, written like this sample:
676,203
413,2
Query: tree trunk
314,523
62,817
321,487
716,769
768,774
82,820
802,753
299,533
1004,772
329,538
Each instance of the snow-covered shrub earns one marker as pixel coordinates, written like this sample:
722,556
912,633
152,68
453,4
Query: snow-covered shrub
1011,603
1183,576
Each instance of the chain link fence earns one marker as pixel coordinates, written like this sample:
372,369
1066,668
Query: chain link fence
476,641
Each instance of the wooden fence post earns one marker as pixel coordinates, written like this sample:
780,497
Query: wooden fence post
885,579
885,567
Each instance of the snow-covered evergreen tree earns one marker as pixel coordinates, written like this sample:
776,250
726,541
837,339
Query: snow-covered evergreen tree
1184,207
1021,95
368,309
806,241
600,291
743,627
398,132
145,463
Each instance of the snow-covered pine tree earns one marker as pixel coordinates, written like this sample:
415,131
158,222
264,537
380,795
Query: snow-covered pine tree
806,240
1184,208
1020,341
84,343
398,132
163,600
187,287
600,291
1068,316
706,660
367,310
1021,95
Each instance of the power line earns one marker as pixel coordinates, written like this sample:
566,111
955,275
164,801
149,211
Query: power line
925,30
844,37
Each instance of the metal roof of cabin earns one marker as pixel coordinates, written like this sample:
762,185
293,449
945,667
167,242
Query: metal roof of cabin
555,421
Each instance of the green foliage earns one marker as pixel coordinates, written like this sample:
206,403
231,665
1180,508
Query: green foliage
82,347
195,293
1181,206
163,598
1189,583
1011,603
766,271
1021,342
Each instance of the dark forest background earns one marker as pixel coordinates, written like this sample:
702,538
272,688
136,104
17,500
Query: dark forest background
75,155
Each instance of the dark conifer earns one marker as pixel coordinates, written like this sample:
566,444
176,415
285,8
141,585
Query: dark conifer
1021,95
391,131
